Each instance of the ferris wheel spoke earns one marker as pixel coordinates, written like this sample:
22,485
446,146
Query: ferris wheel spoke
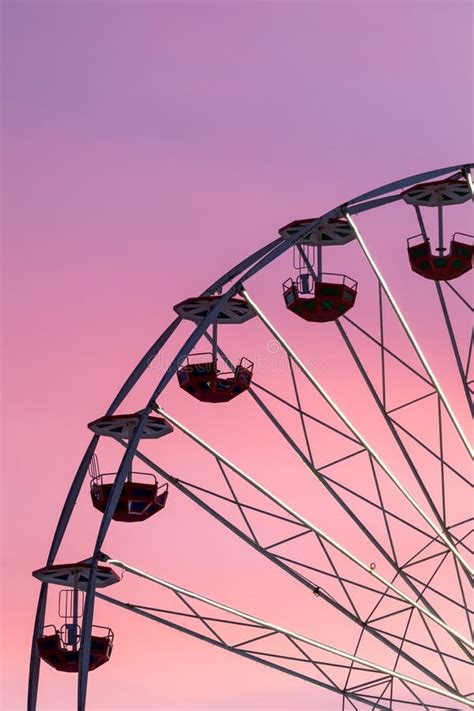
461,603
317,471
199,617
286,635
418,701
357,585
369,685
403,639
314,663
455,347
424,446
237,502
460,296
338,576
292,570
394,425
356,652
441,655
266,660
340,460
426,609
420,646
325,479
381,404
468,362
447,320
304,413
298,403
388,351
354,431
385,513
411,337
468,613
400,587
435,591
373,504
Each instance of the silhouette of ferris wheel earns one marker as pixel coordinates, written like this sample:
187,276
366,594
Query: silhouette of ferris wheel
395,571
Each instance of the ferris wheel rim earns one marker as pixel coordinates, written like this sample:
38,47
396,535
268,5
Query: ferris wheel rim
241,272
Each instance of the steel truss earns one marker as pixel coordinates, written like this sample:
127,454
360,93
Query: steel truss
332,572
288,652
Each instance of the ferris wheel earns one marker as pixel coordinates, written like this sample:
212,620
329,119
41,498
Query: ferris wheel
379,540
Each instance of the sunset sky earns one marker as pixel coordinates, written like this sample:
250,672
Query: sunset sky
146,148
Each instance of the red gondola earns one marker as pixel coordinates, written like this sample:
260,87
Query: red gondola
320,301
442,267
206,383
138,499
60,647
61,650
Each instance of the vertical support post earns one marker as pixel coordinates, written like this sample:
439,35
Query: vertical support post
442,535
441,458
412,339
463,373
382,348
130,432
382,408
307,263
35,659
75,609
319,272
421,223
457,356
214,344
441,247
291,571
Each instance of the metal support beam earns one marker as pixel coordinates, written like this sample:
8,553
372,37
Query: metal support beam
318,531
244,269
411,338
390,424
454,345
288,633
235,650
447,320
283,565
354,431
325,481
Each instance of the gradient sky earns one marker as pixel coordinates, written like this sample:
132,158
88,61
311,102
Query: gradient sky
146,147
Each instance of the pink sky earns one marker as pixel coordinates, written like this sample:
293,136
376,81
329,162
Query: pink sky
147,147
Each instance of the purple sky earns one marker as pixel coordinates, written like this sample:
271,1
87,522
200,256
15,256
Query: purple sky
146,147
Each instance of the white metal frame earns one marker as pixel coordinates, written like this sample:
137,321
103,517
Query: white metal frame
239,275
